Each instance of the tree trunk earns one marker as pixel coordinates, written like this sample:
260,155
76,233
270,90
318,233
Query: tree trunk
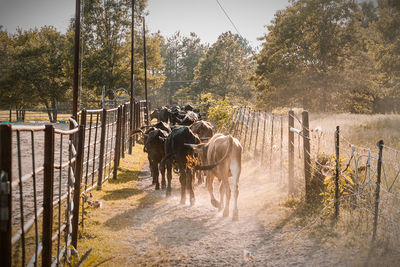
54,109
48,110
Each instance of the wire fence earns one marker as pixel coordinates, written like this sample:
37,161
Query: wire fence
45,176
355,180
263,138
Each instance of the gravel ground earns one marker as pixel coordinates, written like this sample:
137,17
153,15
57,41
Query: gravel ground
166,233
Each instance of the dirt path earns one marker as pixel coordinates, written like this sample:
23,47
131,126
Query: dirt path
202,237
152,230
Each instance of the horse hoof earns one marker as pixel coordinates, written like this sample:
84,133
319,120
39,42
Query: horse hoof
192,202
183,201
157,186
163,186
235,216
215,203
226,213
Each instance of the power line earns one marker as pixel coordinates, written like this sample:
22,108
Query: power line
233,24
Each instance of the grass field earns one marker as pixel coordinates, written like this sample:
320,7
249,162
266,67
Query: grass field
32,116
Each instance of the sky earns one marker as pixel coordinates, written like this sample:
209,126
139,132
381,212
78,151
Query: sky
204,17
208,21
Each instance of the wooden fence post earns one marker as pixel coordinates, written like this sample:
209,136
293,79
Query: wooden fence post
263,140
48,180
102,144
238,121
134,123
291,153
255,143
241,126
253,117
78,178
281,150
377,189
337,173
272,143
138,119
131,127
247,129
5,194
117,149
307,154
234,114
123,130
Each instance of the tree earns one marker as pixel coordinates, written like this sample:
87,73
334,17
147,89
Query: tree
387,54
35,72
303,53
155,66
181,56
226,67
105,50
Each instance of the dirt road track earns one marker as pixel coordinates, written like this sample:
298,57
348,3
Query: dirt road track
161,232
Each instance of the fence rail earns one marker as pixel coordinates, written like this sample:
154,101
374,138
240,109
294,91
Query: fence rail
45,172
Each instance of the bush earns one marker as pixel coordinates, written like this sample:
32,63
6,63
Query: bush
346,183
219,112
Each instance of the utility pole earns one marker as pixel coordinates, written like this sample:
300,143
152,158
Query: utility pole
132,99
145,71
76,59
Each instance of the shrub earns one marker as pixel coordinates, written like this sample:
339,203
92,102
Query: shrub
219,112
346,183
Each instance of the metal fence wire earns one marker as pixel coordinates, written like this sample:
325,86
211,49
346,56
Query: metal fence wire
263,138
365,182
46,170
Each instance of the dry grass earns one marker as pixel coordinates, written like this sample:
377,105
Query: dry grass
363,130
351,235
106,227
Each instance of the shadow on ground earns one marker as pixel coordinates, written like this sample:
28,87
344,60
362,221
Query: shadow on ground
138,214
184,231
122,193
125,176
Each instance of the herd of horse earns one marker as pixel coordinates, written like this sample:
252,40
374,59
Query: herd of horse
184,143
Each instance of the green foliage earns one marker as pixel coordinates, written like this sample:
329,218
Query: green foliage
33,68
346,183
181,55
106,38
336,55
226,67
302,55
219,112
36,66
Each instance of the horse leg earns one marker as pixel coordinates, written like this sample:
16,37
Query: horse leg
235,169
163,183
228,196
169,178
221,196
190,184
152,171
182,180
162,170
209,184
156,175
